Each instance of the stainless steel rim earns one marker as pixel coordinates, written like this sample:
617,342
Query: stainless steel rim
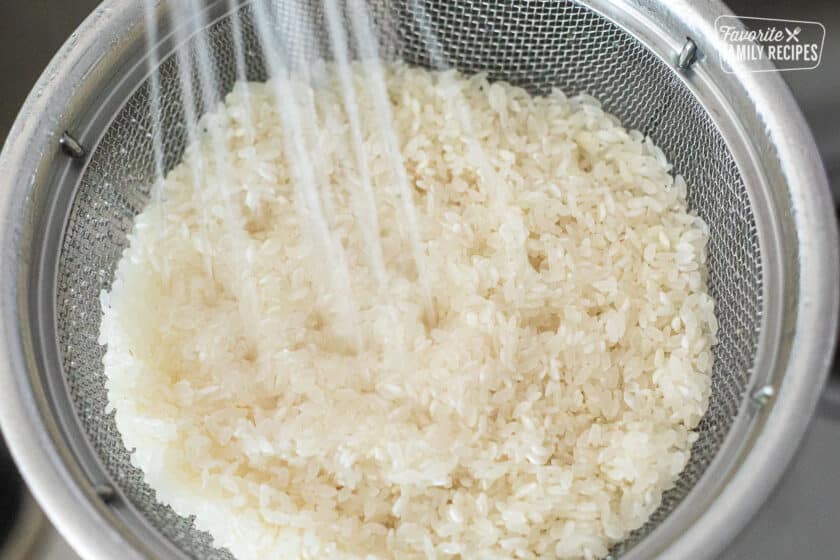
760,444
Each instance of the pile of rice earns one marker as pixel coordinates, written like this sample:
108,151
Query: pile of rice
306,407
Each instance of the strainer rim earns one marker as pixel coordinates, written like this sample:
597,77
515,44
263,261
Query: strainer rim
82,518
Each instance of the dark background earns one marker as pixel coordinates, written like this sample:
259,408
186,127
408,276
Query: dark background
802,519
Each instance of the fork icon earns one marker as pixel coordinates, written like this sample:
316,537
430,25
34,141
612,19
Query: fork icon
793,35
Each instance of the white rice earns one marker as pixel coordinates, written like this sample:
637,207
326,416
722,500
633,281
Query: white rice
540,413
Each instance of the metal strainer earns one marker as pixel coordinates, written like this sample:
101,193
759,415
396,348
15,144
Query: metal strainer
68,199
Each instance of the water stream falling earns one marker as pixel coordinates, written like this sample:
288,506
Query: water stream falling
364,199
239,54
361,24
285,66
154,94
286,35
437,56
183,33
210,92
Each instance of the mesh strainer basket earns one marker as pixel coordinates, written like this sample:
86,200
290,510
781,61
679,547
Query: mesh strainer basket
68,199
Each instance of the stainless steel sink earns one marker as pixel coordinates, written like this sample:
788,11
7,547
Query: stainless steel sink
802,518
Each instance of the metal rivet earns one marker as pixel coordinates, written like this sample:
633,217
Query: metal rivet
105,492
71,146
762,395
688,54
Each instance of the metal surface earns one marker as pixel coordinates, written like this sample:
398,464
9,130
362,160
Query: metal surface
688,55
71,146
762,395
737,138
800,519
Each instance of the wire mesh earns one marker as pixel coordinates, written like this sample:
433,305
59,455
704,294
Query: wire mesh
535,44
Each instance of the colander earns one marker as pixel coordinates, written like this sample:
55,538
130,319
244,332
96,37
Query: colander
79,161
